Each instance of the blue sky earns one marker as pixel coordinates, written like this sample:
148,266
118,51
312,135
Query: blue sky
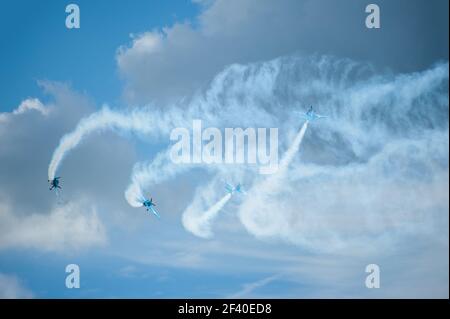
43,48
367,185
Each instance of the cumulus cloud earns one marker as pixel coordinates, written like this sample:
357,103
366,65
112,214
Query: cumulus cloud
31,216
70,226
12,288
25,106
172,62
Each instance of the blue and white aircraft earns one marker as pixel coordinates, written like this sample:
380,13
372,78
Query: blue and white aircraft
311,115
148,204
231,189
54,183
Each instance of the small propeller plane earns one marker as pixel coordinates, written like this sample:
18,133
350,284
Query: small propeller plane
231,189
311,115
54,183
148,204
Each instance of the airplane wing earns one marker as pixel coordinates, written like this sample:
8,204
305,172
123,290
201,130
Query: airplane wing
154,212
302,114
229,188
240,189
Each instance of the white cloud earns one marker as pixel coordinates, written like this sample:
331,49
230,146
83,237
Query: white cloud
30,215
69,226
146,43
12,288
176,60
370,178
31,104
24,107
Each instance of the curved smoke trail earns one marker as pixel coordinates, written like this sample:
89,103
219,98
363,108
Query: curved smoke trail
141,120
146,175
103,119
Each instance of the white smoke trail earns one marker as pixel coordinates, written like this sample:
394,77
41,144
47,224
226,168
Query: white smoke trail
134,195
139,120
265,191
349,104
293,149
146,175
198,222
274,181
369,111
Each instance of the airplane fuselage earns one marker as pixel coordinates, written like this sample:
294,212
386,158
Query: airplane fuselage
148,204
54,183
231,190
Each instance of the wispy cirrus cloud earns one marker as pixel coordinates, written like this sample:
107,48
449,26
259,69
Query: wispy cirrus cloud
250,289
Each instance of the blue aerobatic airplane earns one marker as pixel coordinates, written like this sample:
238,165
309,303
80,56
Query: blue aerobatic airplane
54,183
311,115
230,189
148,204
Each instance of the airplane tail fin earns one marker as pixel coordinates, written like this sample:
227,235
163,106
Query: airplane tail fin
240,190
